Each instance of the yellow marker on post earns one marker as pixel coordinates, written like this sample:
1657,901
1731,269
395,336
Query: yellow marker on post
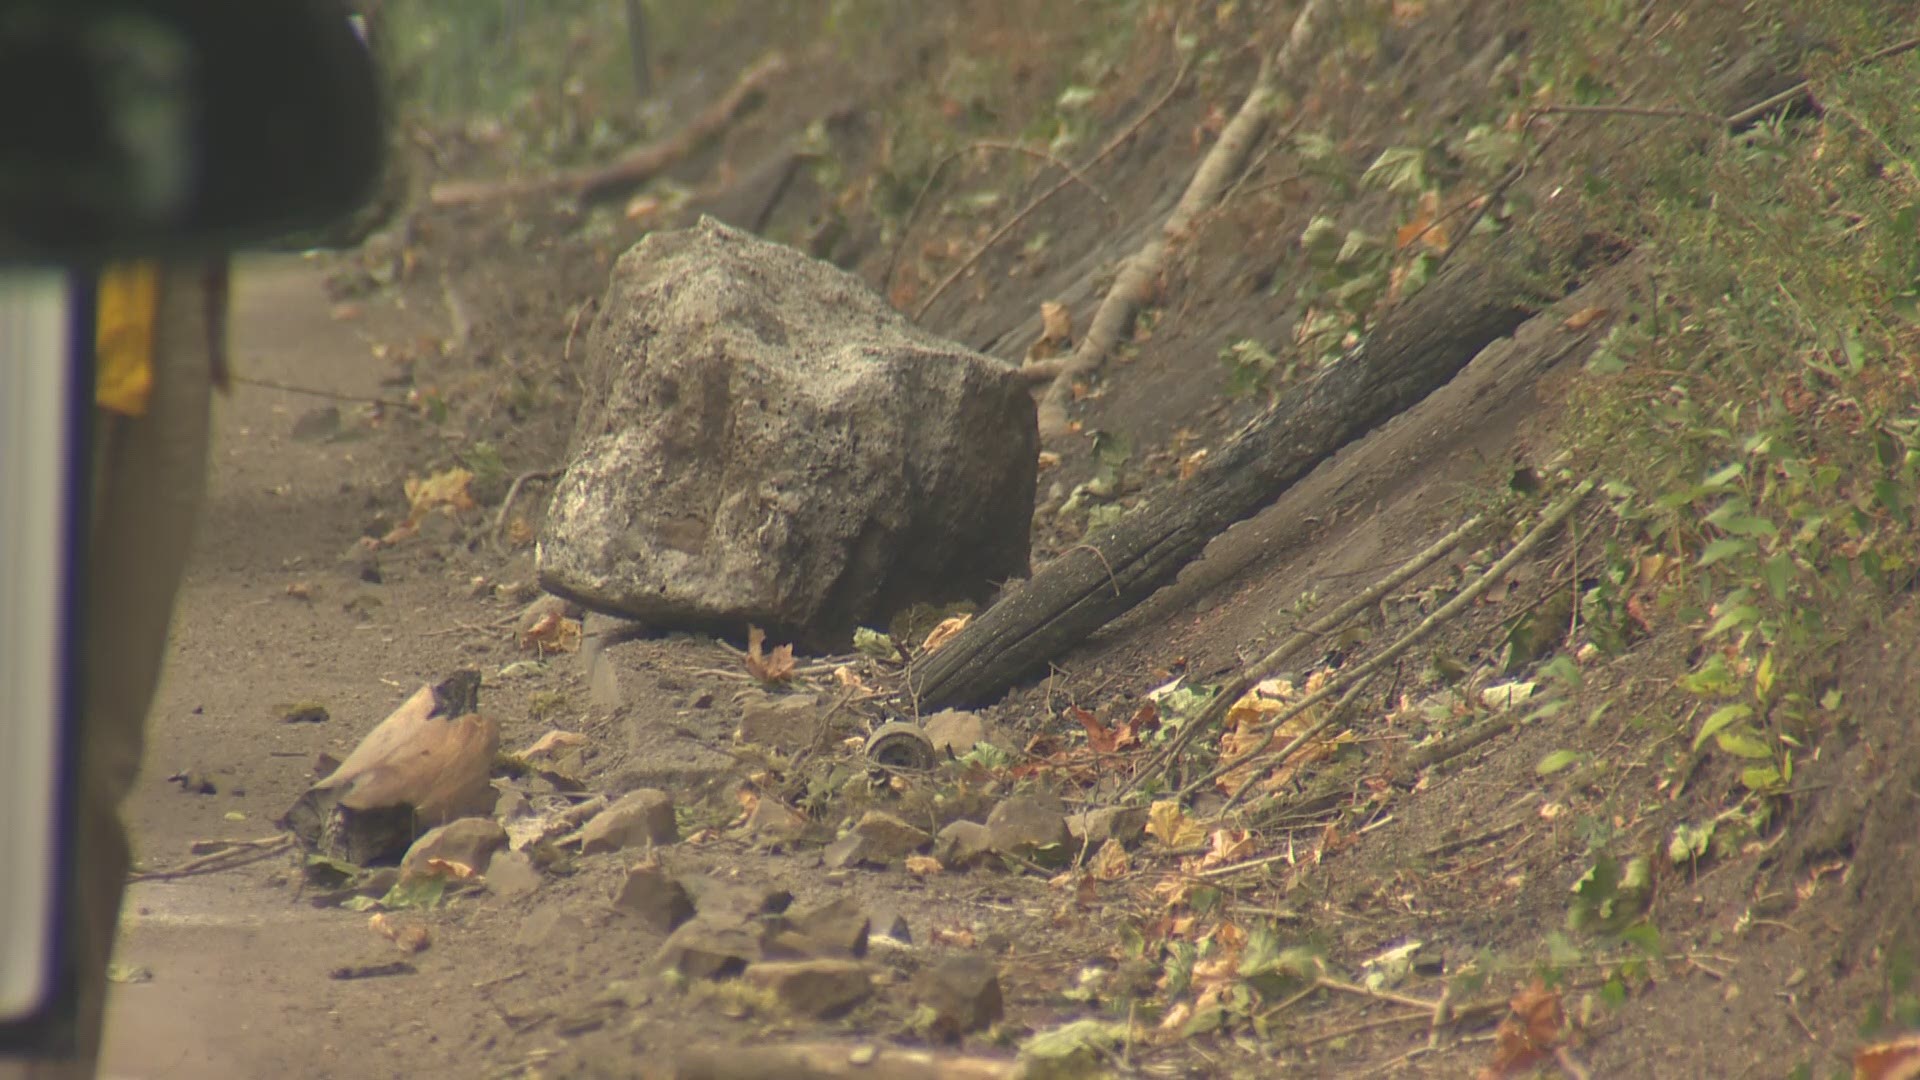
123,337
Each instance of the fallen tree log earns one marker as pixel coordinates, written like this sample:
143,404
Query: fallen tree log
1421,345
1417,348
632,169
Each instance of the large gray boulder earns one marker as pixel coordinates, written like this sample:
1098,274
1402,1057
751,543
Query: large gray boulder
764,440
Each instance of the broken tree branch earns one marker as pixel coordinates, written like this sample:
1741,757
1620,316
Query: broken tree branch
1267,666
1549,523
634,168
1134,285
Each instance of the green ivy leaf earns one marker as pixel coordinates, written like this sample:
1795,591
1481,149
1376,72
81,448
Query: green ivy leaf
1398,168
1744,744
1718,722
1556,761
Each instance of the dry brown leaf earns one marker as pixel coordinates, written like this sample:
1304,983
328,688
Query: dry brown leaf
923,865
519,532
1111,862
410,937
959,937
552,632
1192,462
944,632
1529,1034
552,741
1584,318
1425,229
406,530
1898,1059
347,311
1048,460
773,667
449,869
446,490
1056,323
1171,825
300,590
848,678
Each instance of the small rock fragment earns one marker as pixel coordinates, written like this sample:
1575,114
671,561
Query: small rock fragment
963,991
470,842
822,988
890,928
849,851
660,901
775,820
1031,825
711,948
736,900
1126,824
955,732
640,818
836,928
962,843
786,723
512,874
549,925
317,425
889,837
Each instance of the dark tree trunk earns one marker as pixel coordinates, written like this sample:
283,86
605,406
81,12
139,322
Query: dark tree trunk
1419,346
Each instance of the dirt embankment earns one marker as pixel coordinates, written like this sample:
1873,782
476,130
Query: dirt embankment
1211,945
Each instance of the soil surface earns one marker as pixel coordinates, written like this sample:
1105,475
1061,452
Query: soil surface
1769,954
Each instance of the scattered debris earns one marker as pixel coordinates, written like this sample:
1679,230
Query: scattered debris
963,994
823,988
641,818
426,764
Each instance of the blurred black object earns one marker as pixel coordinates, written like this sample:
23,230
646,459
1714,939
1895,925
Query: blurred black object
180,127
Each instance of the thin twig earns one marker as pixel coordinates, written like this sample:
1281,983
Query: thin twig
1629,110
1265,667
566,352
227,858
358,399
1753,112
513,492
1338,710
1112,144
1549,522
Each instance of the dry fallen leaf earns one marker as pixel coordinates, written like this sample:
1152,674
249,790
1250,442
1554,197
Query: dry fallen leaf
923,865
1425,229
519,532
441,490
1529,1034
552,632
944,632
1111,862
1192,462
449,869
1583,318
1898,1059
410,937
1170,825
1056,323
850,679
1048,460
776,666
551,741
959,937
300,590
